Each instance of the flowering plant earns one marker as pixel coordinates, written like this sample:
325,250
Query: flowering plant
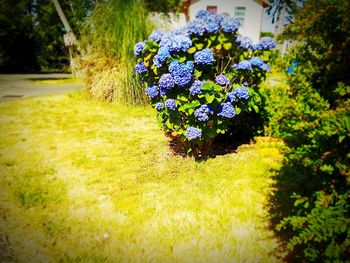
200,78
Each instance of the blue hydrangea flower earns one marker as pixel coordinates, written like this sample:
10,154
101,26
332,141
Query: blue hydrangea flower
140,68
159,106
162,55
265,67
162,91
256,61
265,43
180,43
183,80
196,27
166,41
212,24
204,57
244,64
166,81
177,68
193,133
196,87
182,72
229,24
139,47
170,104
241,92
156,35
244,42
152,91
231,97
201,14
227,110
222,80
202,112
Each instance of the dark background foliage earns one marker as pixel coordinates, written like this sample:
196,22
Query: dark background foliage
311,205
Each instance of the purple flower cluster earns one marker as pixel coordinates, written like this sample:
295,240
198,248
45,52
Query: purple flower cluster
227,110
265,43
241,93
204,57
159,106
176,43
201,14
182,72
230,24
196,87
156,35
166,81
152,91
222,80
193,133
244,64
244,42
258,62
170,104
196,27
207,22
140,68
139,47
162,55
202,112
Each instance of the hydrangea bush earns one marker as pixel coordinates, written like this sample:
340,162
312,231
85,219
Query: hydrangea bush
200,78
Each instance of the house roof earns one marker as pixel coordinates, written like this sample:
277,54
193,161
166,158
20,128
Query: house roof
265,3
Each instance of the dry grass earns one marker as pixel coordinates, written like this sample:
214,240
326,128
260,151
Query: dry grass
83,181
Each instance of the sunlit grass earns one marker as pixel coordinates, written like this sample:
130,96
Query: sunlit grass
83,181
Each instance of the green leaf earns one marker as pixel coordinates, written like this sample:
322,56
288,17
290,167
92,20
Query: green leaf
169,124
217,88
191,50
199,46
197,73
182,59
209,98
227,46
207,86
218,47
182,98
147,58
190,105
256,108
238,110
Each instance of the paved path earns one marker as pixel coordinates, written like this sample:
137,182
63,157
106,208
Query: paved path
16,86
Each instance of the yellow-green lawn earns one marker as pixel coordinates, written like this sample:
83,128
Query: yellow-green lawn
85,181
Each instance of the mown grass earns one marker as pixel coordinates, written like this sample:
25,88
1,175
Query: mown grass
83,181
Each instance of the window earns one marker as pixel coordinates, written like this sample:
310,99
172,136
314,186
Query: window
240,14
212,9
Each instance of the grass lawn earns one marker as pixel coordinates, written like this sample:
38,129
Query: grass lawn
83,181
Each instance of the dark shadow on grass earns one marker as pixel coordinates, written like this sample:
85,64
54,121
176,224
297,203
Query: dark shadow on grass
223,144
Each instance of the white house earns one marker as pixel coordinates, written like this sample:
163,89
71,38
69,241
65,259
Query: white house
249,12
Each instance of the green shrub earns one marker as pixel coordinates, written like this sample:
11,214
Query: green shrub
203,79
312,115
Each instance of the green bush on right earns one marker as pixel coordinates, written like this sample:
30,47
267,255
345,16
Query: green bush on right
312,115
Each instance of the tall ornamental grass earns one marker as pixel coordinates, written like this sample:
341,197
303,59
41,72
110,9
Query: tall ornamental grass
106,49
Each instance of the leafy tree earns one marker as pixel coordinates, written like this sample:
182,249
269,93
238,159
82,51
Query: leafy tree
287,7
312,115
17,38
